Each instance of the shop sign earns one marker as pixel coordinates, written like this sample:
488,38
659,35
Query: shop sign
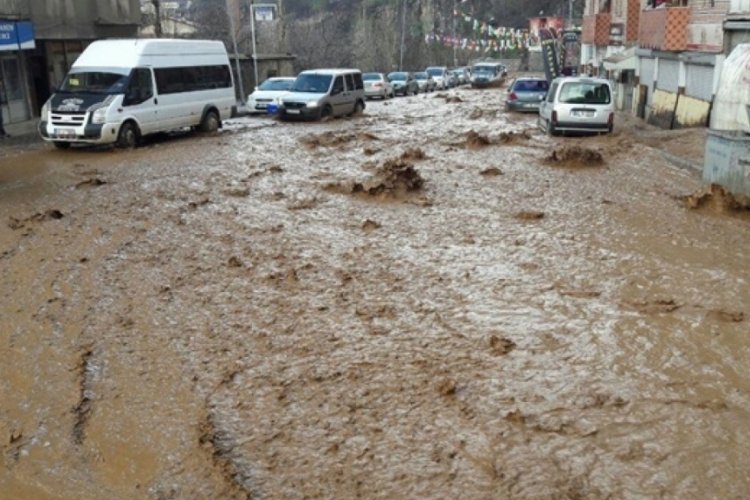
16,35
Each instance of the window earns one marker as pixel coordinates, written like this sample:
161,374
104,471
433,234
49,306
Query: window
584,93
94,82
349,81
530,86
358,83
140,88
192,78
338,85
551,93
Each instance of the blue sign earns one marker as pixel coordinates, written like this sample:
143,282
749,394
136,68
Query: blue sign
16,35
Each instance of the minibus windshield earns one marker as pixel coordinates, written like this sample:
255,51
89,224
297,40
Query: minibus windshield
94,82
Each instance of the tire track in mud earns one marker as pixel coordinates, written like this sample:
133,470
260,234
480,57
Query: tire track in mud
83,408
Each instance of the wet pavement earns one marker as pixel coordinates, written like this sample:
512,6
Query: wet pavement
433,300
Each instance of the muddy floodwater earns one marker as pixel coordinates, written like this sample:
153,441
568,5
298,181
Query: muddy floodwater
432,300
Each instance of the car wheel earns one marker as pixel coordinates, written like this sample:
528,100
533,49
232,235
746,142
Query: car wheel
61,145
128,136
326,112
358,108
210,122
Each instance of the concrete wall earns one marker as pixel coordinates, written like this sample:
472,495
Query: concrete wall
14,9
85,19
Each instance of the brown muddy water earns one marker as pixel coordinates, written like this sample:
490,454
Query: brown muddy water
295,310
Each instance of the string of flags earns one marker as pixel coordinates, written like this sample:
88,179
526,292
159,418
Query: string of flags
485,36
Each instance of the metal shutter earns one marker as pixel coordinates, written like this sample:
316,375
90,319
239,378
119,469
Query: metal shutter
699,81
669,71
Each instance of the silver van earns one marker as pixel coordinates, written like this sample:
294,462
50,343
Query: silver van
320,93
578,104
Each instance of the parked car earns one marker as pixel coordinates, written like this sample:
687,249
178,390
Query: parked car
440,75
269,92
577,104
425,81
118,91
377,85
403,83
526,93
462,75
487,74
320,93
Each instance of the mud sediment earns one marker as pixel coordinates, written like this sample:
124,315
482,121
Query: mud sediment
717,199
575,156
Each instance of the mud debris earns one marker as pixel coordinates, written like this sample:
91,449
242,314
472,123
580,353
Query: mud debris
220,447
727,316
193,205
491,172
370,225
500,346
413,154
453,99
91,182
368,151
658,306
237,192
575,156
474,140
447,387
717,199
508,138
335,140
82,409
515,417
234,261
394,179
53,214
529,215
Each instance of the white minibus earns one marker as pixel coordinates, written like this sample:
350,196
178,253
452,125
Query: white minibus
118,91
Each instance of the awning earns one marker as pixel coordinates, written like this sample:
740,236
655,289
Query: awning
622,61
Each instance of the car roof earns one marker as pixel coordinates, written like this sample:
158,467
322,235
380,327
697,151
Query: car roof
536,78
281,78
329,71
582,79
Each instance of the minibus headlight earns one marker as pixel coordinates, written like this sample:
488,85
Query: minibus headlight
312,104
99,115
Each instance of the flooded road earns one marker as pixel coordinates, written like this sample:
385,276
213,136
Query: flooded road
433,300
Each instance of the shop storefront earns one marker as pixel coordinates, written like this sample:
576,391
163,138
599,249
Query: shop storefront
15,38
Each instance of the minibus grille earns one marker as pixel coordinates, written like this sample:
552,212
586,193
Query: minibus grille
68,119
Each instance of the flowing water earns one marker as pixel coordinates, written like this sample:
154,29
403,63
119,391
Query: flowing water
266,313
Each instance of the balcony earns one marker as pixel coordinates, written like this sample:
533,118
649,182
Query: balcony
664,28
596,29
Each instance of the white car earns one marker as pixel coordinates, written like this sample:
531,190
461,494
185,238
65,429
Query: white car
270,92
578,104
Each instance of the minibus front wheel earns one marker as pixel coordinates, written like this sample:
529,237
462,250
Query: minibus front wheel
210,122
128,136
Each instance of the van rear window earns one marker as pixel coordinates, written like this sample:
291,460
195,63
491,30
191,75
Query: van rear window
584,93
192,78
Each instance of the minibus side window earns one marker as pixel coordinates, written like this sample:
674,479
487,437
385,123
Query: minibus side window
141,87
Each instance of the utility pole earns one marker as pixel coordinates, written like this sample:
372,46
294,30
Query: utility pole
252,34
453,16
403,34
236,54
570,14
157,13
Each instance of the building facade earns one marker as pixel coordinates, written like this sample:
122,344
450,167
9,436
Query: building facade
40,40
16,42
680,55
